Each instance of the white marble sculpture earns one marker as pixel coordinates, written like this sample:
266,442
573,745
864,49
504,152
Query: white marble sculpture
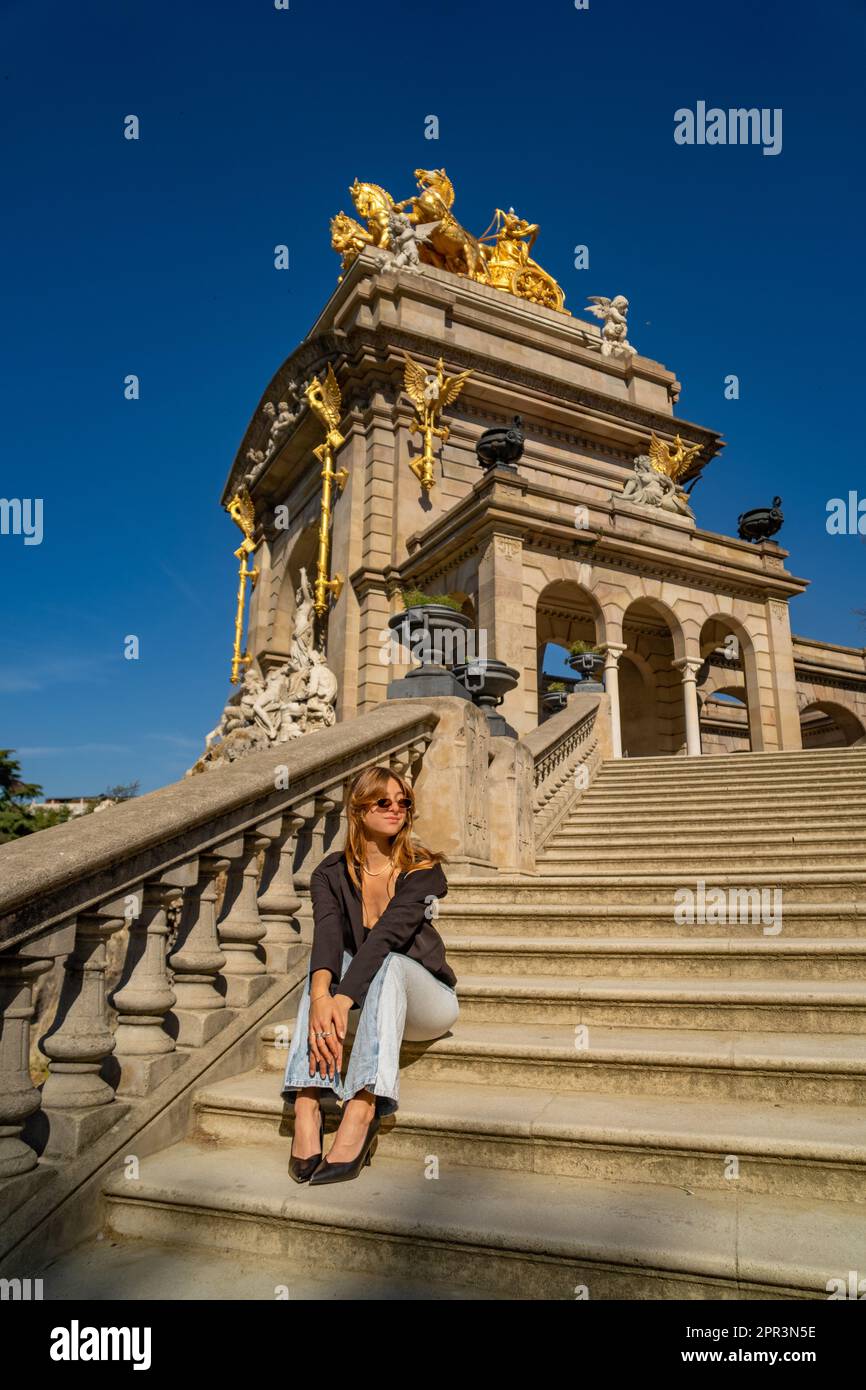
282,416
648,488
613,313
295,698
404,238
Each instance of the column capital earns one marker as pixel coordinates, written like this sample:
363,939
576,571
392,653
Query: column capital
613,649
689,666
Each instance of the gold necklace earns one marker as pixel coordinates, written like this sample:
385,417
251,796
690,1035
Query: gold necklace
378,872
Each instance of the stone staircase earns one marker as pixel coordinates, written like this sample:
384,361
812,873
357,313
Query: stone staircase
626,1108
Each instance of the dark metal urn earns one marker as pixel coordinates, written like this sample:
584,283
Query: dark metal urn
500,447
488,682
761,522
587,665
434,633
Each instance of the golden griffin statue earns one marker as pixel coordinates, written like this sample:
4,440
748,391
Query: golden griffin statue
429,392
500,257
326,401
672,461
242,512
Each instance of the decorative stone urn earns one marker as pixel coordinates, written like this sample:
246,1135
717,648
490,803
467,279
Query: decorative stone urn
501,446
554,700
588,666
488,682
434,633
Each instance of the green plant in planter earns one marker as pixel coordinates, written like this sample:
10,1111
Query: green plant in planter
416,598
581,648
554,687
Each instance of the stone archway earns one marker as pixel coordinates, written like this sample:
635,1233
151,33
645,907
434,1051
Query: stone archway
825,724
565,612
730,669
725,720
652,716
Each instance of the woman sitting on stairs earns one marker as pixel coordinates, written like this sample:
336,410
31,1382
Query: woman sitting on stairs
375,950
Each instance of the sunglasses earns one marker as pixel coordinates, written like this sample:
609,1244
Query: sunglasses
384,803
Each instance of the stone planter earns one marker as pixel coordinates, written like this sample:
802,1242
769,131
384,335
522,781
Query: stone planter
553,701
488,682
434,633
588,666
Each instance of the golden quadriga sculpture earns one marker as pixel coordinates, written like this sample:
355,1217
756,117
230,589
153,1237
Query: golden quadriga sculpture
429,233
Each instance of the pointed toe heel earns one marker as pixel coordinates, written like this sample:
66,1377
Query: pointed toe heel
342,1172
302,1169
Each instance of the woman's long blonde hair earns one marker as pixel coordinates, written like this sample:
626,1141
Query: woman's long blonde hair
407,853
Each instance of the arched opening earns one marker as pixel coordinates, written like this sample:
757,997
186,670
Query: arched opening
824,724
725,721
728,688
652,714
565,613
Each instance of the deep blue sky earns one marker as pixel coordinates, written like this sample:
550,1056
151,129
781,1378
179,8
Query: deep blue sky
156,257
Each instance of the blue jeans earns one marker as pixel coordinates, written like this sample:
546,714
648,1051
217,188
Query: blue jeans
404,1001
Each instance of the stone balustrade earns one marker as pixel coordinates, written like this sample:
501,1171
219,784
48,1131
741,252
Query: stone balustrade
567,749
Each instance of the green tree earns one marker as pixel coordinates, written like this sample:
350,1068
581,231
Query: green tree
16,817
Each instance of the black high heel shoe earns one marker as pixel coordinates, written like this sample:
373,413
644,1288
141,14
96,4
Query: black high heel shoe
302,1169
342,1172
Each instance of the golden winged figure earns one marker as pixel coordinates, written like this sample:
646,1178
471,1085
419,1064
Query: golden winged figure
325,398
430,392
243,513
674,461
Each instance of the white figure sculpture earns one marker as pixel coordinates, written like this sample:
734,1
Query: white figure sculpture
649,488
404,238
296,698
613,313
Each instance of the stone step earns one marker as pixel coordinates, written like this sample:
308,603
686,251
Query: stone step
805,1151
700,863
783,1006
113,1269
817,757
824,790
587,820
685,957
528,1236
632,807
750,844
710,769
593,890
631,921
830,758
817,1069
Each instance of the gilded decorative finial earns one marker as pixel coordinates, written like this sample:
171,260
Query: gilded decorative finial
326,401
430,392
672,461
242,511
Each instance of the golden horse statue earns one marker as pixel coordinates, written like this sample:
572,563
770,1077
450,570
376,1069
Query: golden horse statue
506,264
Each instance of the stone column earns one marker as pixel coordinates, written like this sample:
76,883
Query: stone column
19,1098
200,1011
689,667
278,897
612,653
144,1051
76,1098
240,928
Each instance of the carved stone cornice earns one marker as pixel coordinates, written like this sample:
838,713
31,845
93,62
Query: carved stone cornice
368,359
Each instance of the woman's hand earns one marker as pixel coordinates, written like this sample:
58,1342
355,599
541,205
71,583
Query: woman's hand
328,1014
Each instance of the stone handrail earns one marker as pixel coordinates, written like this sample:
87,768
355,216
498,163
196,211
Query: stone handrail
567,749
67,890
